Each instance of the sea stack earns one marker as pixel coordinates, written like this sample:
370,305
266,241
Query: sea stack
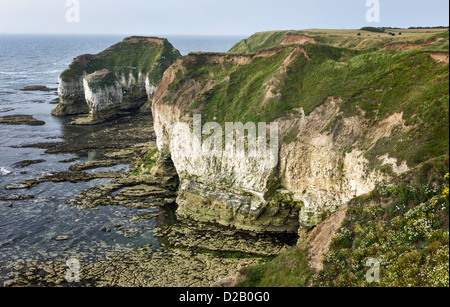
124,77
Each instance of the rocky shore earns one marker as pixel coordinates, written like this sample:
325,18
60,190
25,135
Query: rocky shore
189,253
40,88
21,120
143,268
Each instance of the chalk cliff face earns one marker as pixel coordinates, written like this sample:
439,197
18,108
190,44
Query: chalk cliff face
312,178
102,92
123,77
336,141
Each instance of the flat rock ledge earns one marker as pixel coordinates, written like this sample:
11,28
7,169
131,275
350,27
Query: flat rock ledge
220,239
193,254
41,88
21,120
132,192
143,268
73,177
25,163
92,165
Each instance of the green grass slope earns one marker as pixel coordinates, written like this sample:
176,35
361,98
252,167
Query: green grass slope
133,55
403,225
379,82
348,39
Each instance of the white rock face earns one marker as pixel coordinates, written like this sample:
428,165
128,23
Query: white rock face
129,82
237,182
104,98
315,168
318,167
77,94
71,98
136,64
150,88
314,171
322,164
67,90
228,188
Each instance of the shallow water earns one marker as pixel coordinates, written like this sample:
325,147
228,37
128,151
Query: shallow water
28,227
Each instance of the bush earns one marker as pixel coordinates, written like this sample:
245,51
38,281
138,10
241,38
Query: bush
404,226
373,29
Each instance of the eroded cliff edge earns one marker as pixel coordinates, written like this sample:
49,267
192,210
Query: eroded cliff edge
348,119
123,77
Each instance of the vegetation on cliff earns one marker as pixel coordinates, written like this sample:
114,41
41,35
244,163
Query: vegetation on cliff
380,81
348,39
122,77
404,225
133,55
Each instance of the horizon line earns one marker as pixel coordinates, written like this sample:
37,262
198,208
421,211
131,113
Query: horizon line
119,34
221,34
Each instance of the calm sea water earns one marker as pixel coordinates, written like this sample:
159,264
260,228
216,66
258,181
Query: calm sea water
28,227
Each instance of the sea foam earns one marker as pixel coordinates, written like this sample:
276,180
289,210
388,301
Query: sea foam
4,171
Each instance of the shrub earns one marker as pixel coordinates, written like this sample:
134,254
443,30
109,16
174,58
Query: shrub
409,235
373,29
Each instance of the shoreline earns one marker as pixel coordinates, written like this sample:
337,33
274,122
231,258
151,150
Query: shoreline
189,254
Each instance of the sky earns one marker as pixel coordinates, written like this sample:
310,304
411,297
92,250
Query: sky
211,17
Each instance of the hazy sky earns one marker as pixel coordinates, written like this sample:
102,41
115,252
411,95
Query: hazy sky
203,17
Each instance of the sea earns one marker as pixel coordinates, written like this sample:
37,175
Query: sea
28,228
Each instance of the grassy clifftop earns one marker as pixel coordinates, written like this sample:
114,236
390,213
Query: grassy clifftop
133,55
378,82
348,39
124,76
289,74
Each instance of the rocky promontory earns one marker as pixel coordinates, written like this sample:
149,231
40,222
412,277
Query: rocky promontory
123,77
359,170
348,120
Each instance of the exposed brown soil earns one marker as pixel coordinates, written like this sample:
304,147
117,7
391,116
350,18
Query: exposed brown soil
291,39
265,53
320,238
100,74
274,81
239,59
441,57
168,77
135,39
155,40
85,59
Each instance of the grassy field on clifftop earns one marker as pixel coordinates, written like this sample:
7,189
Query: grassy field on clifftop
347,39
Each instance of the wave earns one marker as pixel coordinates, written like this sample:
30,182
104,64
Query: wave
13,73
25,73
50,72
4,171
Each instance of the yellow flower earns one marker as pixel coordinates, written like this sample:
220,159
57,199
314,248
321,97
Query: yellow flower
445,192
446,176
